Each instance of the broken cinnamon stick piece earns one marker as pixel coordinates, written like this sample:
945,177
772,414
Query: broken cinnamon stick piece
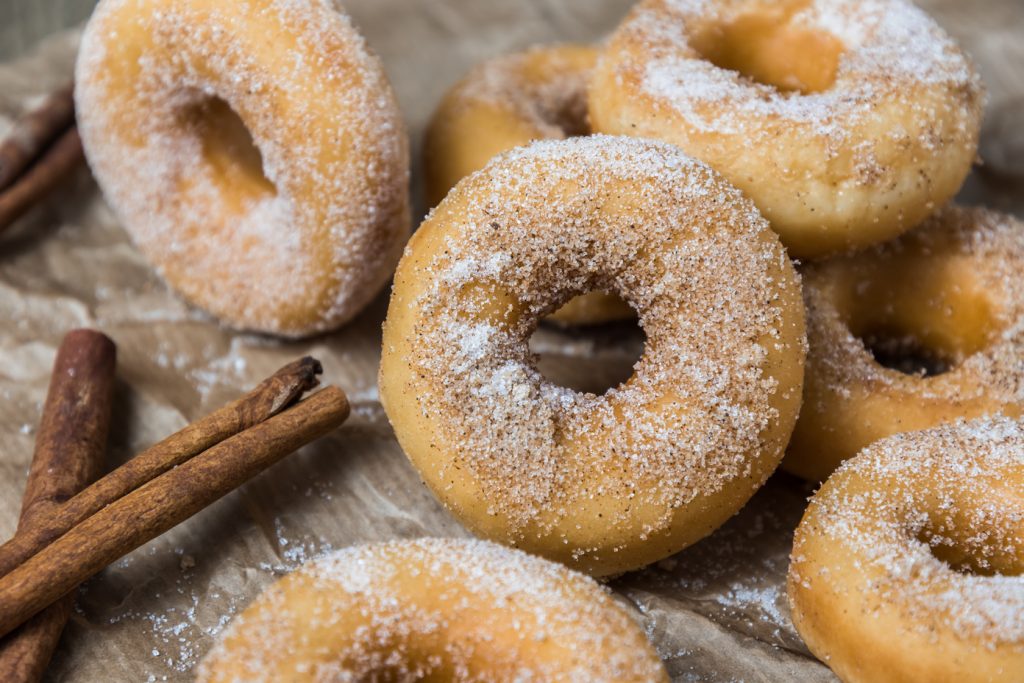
55,163
70,446
161,504
34,132
271,396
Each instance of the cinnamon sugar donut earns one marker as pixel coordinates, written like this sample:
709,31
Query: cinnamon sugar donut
909,562
433,609
846,121
507,102
254,151
948,293
612,482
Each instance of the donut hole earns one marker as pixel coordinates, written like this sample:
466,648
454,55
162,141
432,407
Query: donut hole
569,114
917,316
561,113
969,556
905,353
766,47
229,151
591,359
554,85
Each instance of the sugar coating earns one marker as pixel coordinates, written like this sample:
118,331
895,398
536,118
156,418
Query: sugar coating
691,255
556,104
891,49
506,102
891,135
473,610
310,252
952,487
993,243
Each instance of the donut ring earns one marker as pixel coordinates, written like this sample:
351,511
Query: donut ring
846,121
601,483
507,102
433,609
255,153
951,291
913,552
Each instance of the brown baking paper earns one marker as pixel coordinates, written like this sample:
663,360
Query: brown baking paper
716,612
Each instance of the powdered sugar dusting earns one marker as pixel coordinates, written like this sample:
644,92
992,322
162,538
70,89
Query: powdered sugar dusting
462,610
954,489
301,253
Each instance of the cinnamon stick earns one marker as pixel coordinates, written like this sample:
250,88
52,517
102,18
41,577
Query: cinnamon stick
59,159
161,504
34,132
70,444
274,394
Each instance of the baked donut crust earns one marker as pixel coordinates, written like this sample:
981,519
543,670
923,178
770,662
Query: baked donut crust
855,119
909,562
433,609
949,290
603,483
254,152
507,102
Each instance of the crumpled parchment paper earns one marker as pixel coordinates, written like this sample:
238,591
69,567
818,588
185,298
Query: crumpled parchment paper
716,612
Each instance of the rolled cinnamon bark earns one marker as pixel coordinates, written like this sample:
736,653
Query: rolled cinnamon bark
161,504
55,163
34,132
270,397
70,445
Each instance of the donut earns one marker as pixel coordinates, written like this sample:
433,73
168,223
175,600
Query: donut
948,299
909,562
506,102
846,121
254,152
433,609
604,483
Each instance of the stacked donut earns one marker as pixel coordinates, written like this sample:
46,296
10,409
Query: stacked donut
849,126
603,483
